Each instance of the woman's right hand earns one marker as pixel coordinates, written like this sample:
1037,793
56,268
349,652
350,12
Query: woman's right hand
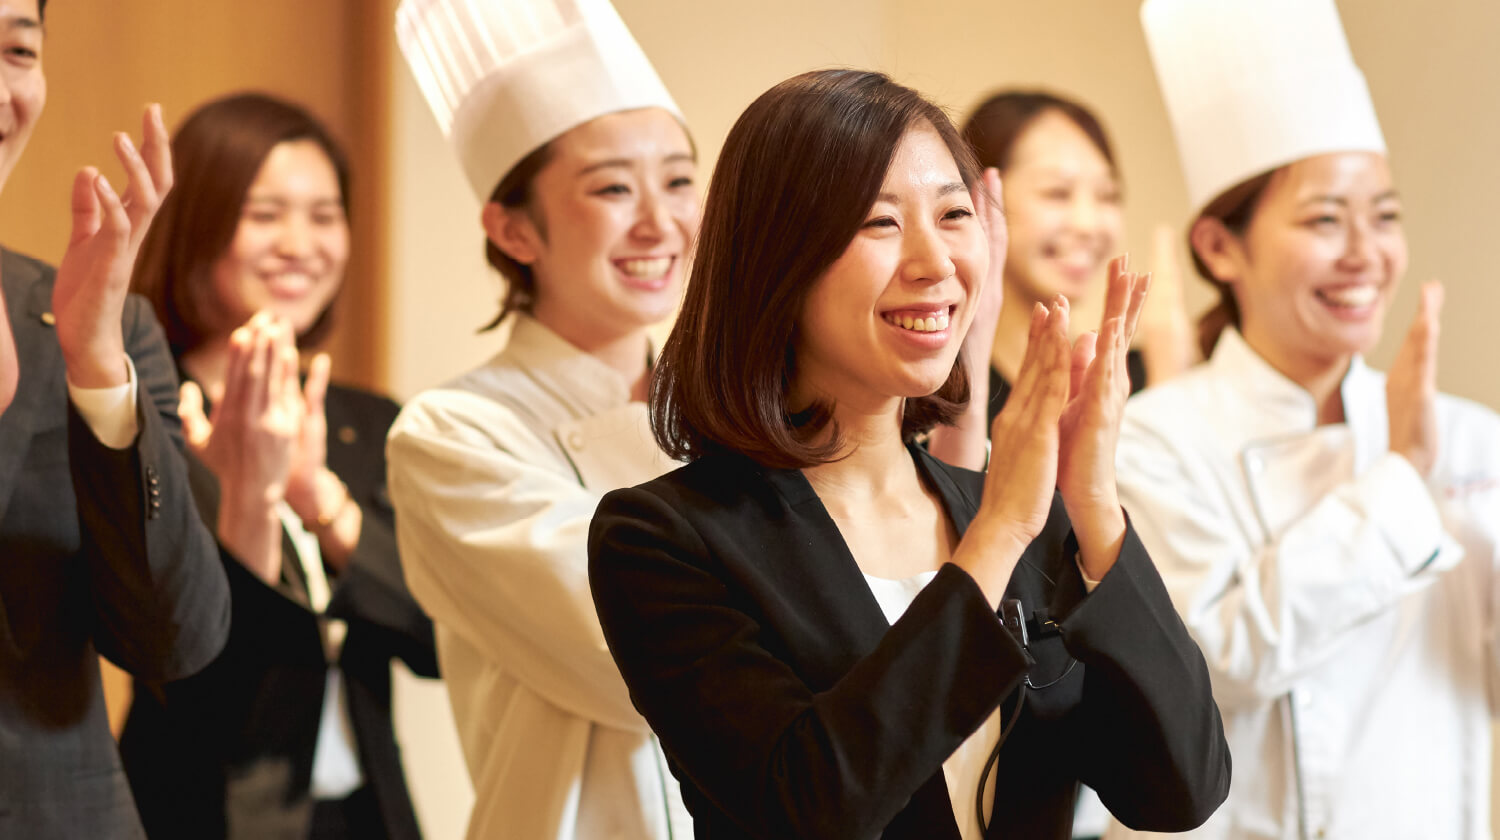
1022,474
1411,386
248,442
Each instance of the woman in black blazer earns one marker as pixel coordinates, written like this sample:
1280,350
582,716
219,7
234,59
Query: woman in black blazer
288,733
808,614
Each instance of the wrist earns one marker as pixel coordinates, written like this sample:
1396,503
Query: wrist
96,367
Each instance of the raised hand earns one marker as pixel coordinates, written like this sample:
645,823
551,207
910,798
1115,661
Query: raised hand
1090,423
94,275
249,440
1022,473
1411,386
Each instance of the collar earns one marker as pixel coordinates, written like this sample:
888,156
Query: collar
536,347
1277,405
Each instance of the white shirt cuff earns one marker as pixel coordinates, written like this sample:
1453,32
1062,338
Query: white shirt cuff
1088,582
109,412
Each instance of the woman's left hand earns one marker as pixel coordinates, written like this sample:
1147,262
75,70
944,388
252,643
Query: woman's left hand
1090,423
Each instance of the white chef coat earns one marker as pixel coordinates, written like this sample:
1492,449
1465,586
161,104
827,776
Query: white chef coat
495,478
1345,605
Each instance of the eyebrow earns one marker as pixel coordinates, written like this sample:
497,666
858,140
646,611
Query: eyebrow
23,23
676,157
1341,201
945,190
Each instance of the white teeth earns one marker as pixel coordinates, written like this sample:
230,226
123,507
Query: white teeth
647,269
930,323
1351,297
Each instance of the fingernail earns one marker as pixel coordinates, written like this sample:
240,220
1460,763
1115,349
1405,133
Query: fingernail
123,138
104,184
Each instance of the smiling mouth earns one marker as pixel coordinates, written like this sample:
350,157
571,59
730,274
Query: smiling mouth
652,268
935,320
1349,297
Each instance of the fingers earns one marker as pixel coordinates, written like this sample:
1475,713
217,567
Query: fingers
195,426
1138,297
1425,331
1083,355
141,199
85,203
317,384
115,224
156,149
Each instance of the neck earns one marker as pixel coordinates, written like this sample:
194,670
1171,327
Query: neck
873,463
624,352
208,364
1321,378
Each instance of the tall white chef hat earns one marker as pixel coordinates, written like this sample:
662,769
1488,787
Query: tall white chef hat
504,77
1252,85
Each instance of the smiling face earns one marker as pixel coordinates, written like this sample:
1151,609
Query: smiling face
613,214
1319,262
885,321
1063,205
23,88
292,242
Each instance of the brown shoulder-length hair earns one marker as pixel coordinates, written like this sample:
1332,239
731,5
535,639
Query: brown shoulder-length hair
797,175
1234,208
216,154
999,121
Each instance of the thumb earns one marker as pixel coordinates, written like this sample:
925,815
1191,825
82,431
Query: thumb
195,426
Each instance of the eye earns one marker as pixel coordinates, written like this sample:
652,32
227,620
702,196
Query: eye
680,182
613,190
21,54
1389,216
958,213
262,217
1057,193
881,222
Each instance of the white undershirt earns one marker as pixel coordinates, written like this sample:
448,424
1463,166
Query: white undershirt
335,771
963,767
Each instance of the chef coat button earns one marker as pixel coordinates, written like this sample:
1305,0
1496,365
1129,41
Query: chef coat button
575,440
1253,463
49,319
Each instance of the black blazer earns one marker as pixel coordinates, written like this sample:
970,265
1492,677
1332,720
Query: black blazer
229,752
100,550
788,707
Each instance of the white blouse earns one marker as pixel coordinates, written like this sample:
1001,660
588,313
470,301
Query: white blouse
964,766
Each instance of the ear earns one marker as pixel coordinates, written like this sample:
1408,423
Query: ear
512,231
1219,249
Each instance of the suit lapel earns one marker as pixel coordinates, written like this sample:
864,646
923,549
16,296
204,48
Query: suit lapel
42,375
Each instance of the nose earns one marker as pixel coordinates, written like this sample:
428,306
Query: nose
1359,245
1083,212
928,259
295,240
653,217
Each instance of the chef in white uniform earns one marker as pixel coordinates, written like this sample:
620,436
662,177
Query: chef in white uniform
587,179
1328,532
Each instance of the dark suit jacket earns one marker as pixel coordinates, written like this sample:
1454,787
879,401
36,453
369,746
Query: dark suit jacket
100,550
788,707
229,752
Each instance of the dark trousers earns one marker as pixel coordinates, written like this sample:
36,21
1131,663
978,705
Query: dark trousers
355,817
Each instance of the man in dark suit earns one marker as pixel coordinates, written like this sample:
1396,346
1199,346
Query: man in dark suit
101,548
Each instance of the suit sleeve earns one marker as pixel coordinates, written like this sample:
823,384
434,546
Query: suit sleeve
160,598
1267,610
781,759
1150,740
372,590
495,548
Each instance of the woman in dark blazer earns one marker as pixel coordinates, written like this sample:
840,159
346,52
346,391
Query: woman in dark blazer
809,613
288,733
